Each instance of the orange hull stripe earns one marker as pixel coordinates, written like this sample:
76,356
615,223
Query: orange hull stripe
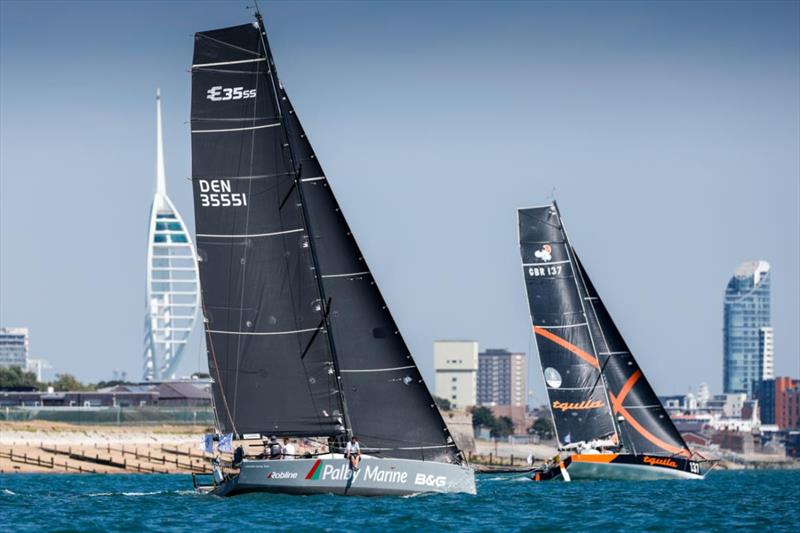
594,458
569,346
643,432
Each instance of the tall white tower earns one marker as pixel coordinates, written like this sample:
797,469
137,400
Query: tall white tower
172,294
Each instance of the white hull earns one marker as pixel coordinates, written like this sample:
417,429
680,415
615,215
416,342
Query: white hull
375,477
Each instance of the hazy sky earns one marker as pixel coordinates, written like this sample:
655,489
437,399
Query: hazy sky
671,132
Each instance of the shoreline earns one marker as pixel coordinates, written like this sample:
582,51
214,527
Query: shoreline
54,447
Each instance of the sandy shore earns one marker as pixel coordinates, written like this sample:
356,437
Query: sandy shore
56,447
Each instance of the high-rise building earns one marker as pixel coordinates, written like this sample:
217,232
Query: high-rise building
456,365
173,287
766,347
746,313
502,378
14,347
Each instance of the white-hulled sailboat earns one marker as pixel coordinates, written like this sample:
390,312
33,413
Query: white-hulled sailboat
301,343
609,423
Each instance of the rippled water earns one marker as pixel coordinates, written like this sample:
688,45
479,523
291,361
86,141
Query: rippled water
768,500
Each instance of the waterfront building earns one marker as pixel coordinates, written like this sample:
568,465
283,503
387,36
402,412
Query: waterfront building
172,290
14,345
779,399
747,336
502,378
456,366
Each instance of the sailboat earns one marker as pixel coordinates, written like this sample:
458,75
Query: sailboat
608,421
300,341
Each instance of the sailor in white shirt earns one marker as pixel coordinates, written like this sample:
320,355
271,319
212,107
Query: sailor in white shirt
353,453
288,449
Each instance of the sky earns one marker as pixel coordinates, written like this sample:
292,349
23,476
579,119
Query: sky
668,132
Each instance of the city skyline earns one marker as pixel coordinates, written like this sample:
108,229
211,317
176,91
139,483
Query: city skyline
658,149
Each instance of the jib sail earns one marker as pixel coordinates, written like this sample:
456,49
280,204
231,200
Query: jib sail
644,424
574,383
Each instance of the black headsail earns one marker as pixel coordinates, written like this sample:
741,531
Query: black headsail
268,349
386,402
644,424
575,387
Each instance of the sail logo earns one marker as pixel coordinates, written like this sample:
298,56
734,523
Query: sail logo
660,461
545,254
577,406
217,193
223,94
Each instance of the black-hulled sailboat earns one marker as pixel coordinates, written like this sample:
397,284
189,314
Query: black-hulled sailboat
300,341
609,423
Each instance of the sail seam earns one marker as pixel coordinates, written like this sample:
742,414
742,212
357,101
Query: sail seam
238,129
318,178
378,369
292,332
247,235
545,264
201,65
563,327
345,275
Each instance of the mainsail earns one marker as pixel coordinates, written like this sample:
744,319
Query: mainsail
575,387
574,329
300,338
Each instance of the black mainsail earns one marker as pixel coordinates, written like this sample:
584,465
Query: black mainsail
587,365
300,340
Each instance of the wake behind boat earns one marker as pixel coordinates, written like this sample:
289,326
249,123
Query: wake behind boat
609,423
301,343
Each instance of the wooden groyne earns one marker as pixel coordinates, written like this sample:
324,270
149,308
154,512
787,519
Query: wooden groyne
104,459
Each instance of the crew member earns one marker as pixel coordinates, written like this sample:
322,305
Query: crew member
353,453
275,450
288,449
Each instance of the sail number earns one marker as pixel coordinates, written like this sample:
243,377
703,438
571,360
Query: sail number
221,94
553,270
217,193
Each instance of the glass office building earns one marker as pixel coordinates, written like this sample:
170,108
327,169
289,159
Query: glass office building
747,357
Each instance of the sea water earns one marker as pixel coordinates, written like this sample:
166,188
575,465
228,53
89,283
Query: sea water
744,500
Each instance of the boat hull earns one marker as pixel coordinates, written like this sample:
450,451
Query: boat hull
375,477
614,466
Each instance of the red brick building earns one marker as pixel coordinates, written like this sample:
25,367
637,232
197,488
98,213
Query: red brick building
787,403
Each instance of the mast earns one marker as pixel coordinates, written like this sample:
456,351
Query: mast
296,170
582,295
